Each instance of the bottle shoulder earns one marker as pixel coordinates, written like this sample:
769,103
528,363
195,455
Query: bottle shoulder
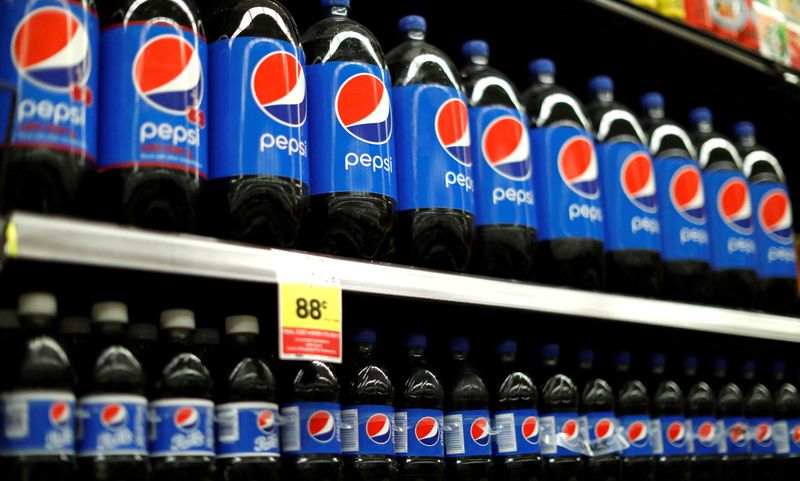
341,39
486,86
184,13
251,18
418,62
553,105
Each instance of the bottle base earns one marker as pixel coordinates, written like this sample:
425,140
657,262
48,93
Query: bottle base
687,281
734,287
522,468
505,251
436,238
578,263
634,272
778,295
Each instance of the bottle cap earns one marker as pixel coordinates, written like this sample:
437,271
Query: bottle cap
459,344
74,325
142,331
749,367
37,303
417,340
507,346
366,336
550,351
744,129
177,319
109,311
720,364
652,100
412,23
601,83
206,335
586,355
241,325
474,48
623,357
658,360
690,362
778,367
335,3
541,66
700,115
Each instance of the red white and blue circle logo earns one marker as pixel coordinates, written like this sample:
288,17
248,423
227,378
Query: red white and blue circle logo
686,194
379,428
530,429
738,434
637,434
577,165
363,108
763,434
506,148
569,431
775,216
114,416
321,426
639,181
479,431
278,85
676,433
266,421
452,130
795,434
60,414
427,431
733,203
603,429
706,433
187,419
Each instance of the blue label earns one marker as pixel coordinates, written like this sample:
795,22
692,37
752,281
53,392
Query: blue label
637,433
368,429
517,432
311,428
730,220
247,429
681,210
774,236
112,424
787,437
561,435
733,433
153,108
670,436
38,423
566,184
629,197
434,164
49,75
503,174
350,129
600,431
182,427
703,436
257,104
467,433
762,438
420,433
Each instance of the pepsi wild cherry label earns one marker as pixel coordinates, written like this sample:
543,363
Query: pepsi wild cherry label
467,433
247,429
730,220
112,424
311,428
49,76
517,432
776,256
420,433
181,427
368,429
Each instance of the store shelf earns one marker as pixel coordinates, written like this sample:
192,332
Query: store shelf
41,238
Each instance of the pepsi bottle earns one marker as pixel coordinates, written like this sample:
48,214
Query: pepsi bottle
205,344
248,442
701,426
733,448
515,418
311,445
778,376
181,411
112,441
584,369
48,106
570,215
39,409
9,340
258,188
368,415
733,250
419,442
468,453
670,443
627,180
436,222
353,176
787,431
143,340
504,192
761,419
75,336
685,249
633,411
599,425
776,261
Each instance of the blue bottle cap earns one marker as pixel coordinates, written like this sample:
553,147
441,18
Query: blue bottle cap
474,48
601,83
541,66
550,351
652,100
335,3
658,360
366,336
507,346
586,355
700,114
623,357
778,367
459,344
749,367
744,129
720,364
690,362
412,23
417,340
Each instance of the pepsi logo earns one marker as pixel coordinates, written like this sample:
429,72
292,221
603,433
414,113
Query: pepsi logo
186,419
569,430
639,181
795,434
266,421
637,434
706,433
763,434
321,426
775,216
452,130
114,416
686,194
60,414
676,433
733,204
577,165
278,85
506,148
738,434
363,108
530,429
379,428
603,429
427,431
167,73
479,431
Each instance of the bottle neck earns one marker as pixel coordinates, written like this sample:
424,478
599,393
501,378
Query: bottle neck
655,113
458,356
416,35
480,60
338,11
704,127
545,79
416,355
508,357
365,351
35,325
604,96
748,140
112,331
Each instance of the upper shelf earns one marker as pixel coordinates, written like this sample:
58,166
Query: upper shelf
43,238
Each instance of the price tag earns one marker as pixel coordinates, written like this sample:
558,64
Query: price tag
309,310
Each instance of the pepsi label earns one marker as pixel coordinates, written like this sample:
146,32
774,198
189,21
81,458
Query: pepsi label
599,431
787,437
517,432
669,435
730,220
432,142
761,436
681,210
733,436
311,428
637,435
567,182
704,439
560,435
467,433
181,427
350,129
419,433
39,423
112,424
259,129
247,429
773,234
368,429
48,76
153,105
